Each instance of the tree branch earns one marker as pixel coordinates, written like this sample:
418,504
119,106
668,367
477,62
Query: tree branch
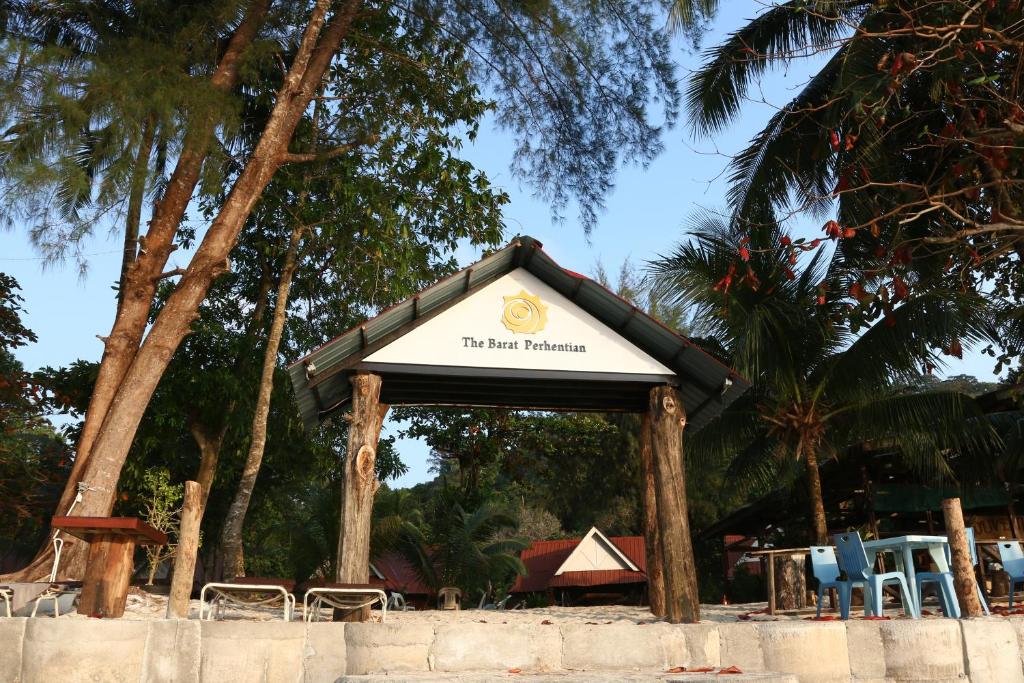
171,273
296,157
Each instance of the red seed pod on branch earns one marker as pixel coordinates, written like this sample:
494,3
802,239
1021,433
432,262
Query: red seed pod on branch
897,65
833,140
900,289
833,230
785,241
744,253
857,291
850,232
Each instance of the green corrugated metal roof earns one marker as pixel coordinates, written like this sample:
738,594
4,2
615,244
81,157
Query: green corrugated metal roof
701,378
912,498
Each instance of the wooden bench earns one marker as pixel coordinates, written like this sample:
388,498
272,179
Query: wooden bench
109,564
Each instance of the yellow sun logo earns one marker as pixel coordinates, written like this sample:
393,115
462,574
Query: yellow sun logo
524,313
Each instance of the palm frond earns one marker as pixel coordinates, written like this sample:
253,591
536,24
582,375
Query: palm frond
791,155
927,428
895,347
716,90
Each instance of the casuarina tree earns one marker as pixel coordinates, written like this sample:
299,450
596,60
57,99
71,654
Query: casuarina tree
573,83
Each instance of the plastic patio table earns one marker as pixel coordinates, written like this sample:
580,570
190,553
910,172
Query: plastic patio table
903,547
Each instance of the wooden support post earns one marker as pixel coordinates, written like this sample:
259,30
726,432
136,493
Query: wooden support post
359,486
185,555
963,569
667,419
107,575
653,549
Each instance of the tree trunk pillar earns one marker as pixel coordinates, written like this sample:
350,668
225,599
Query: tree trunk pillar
107,575
962,567
188,548
359,485
653,550
667,418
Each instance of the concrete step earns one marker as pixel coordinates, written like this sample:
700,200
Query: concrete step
570,677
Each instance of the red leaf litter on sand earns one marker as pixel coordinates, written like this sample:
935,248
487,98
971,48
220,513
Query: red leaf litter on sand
875,617
730,670
515,671
827,617
746,615
546,622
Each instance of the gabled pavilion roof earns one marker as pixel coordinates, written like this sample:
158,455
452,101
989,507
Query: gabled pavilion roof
321,379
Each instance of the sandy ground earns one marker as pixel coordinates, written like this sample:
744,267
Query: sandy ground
142,606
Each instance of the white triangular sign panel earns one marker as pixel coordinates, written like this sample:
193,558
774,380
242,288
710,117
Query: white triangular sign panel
519,322
594,553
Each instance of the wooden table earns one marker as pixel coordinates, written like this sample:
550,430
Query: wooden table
771,554
109,566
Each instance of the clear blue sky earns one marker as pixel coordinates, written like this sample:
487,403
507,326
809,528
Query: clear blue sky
646,214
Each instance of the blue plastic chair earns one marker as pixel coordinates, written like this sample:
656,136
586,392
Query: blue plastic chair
826,571
855,561
944,580
1013,563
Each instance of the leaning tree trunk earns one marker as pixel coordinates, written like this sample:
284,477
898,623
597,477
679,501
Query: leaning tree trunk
139,284
231,537
653,550
210,260
819,528
359,485
135,197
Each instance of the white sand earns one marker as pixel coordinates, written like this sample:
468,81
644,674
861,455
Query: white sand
144,606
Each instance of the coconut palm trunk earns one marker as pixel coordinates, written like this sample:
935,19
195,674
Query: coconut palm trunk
819,524
231,537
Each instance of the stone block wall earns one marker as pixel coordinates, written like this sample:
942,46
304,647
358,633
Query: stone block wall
45,650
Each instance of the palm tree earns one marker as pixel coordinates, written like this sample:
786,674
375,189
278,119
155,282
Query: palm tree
894,132
819,384
465,548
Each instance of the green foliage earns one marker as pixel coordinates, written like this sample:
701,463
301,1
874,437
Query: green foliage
34,457
80,82
464,548
909,135
820,385
161,505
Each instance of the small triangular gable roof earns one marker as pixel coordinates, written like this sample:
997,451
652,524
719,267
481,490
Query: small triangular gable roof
401,345
594,553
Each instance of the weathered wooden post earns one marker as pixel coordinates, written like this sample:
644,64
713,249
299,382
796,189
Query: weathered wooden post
653,549
359,485
185,555
963,569
667,419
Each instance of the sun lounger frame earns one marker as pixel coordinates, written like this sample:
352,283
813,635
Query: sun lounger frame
315,598
229,592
